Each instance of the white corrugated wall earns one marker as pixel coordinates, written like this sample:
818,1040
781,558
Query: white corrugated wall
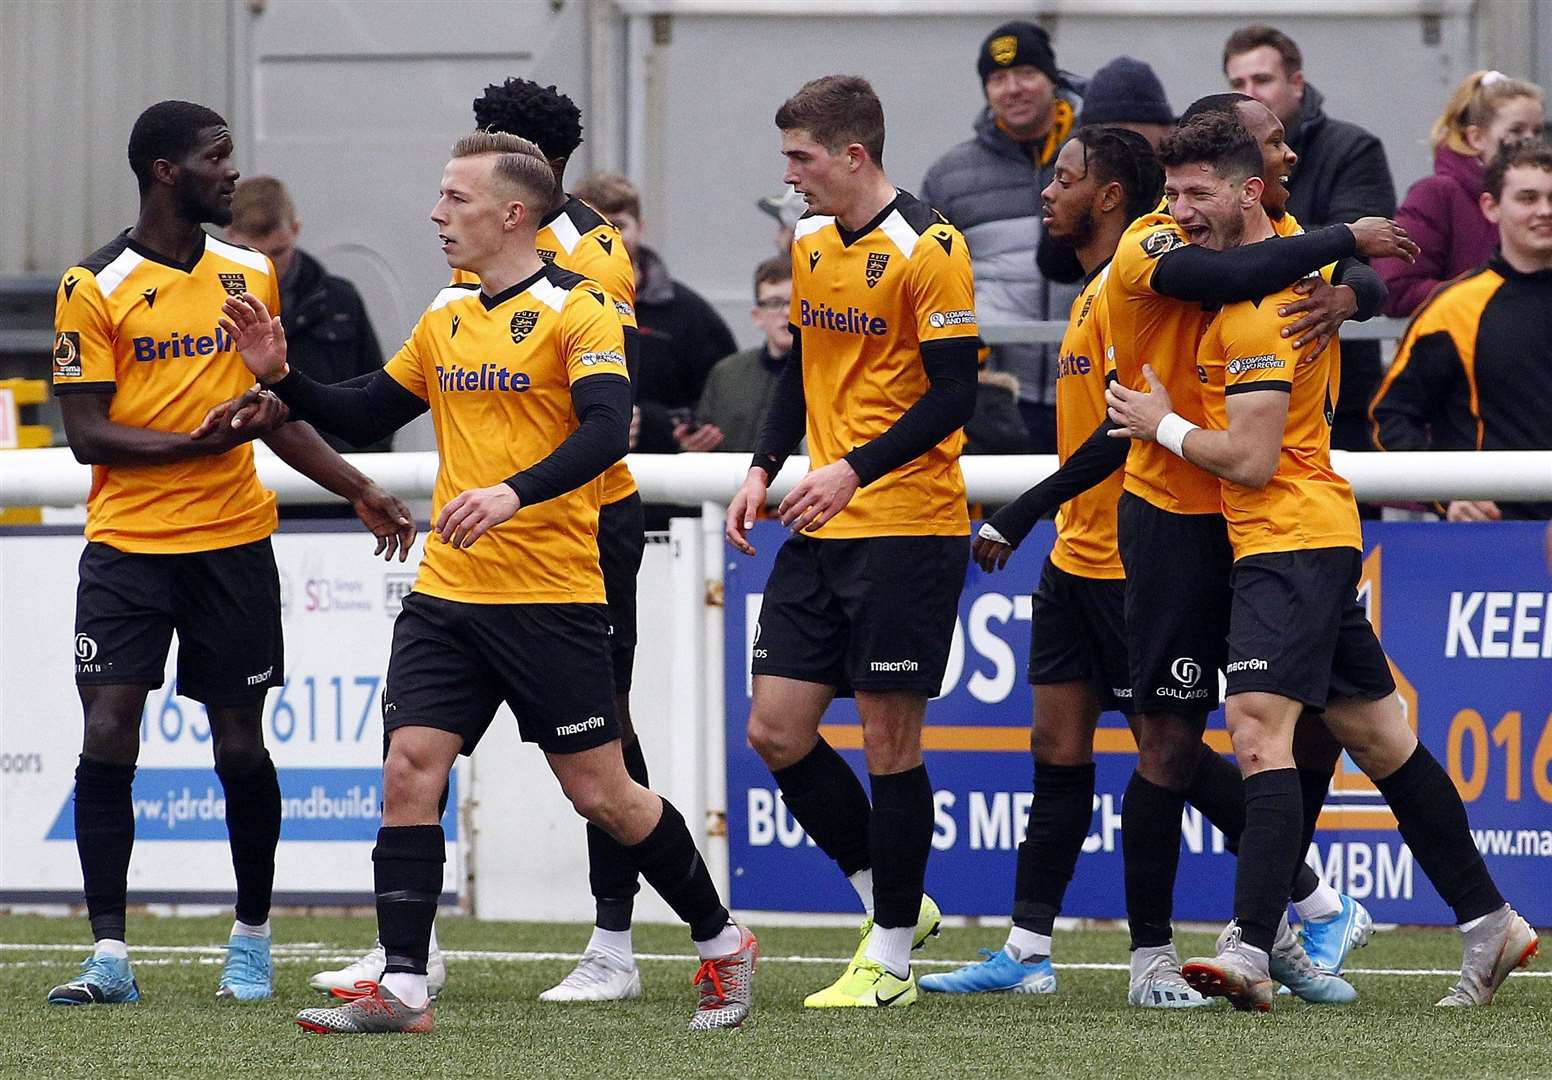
74,74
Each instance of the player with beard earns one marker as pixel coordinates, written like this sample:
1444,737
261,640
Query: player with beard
154,398
1105,178
1298,637
1171,532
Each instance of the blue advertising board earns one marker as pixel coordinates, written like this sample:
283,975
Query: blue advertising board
1464,612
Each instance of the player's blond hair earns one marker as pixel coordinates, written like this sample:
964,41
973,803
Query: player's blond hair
1474,104
519,162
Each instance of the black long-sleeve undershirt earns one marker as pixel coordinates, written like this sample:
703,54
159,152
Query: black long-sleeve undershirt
1250,271
602,437
1367,286
785,416
361,410
1099,457
946,407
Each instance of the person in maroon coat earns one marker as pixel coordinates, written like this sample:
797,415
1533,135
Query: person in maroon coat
1442,212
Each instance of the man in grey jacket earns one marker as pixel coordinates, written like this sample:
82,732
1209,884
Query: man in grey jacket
989,188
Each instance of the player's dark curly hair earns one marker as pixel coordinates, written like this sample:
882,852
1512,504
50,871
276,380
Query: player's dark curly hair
1114,153
1216,139
540,114
168,130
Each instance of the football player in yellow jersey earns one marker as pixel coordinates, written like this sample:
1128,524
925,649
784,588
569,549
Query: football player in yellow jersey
155,400
525,378
1173,544
573,236
863,596
1105,178
1298,636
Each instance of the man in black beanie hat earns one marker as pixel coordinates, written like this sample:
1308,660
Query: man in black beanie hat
989,188
1126,93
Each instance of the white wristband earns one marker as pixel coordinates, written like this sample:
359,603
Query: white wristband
989,533
1171,433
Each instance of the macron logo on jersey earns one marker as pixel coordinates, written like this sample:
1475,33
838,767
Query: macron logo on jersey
181,346
850,321
487,379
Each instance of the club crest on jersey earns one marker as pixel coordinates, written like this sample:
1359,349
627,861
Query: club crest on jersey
1003,49
67,354
1157,243
546,255
522,325
234,284
877,262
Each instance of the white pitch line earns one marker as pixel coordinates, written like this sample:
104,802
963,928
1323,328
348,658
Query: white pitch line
318,953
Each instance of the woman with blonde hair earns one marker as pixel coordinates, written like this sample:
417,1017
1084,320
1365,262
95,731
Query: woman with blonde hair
1443,212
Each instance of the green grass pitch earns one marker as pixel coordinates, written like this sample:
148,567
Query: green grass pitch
489,1023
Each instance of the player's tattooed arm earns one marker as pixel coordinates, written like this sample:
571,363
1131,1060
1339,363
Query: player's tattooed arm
1246,454
97,440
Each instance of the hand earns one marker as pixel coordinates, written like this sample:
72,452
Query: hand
635,426
990,555
748,502
1138,412
1381,238
255,413
705,438
473,513
1323,310
388,519
1473,511
258,336
819,496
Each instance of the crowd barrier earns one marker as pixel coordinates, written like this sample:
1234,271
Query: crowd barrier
1465,612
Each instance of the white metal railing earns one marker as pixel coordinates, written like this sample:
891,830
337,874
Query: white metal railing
52,477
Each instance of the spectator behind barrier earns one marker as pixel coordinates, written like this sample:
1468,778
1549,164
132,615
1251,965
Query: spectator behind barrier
329,336
1474,370
786,208
1443,212
989,188
732,407
1342,175
1125,93
682,335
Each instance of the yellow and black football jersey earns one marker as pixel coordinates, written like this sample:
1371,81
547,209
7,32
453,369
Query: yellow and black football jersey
1086,525
866,304
578,238
129,322
1164,333
497,372
1306,504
